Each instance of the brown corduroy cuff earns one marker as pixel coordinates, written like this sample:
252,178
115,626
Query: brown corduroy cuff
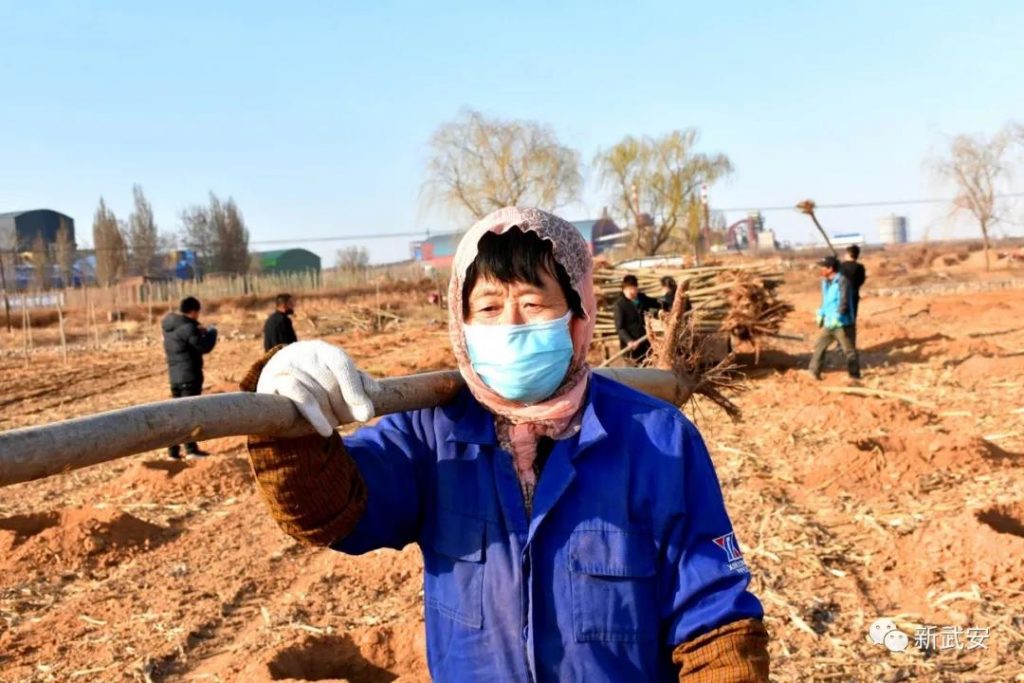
734,653
311,485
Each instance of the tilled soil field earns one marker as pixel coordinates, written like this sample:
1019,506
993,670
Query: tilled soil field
905,500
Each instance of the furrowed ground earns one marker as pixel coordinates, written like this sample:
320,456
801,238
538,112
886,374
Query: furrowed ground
848,507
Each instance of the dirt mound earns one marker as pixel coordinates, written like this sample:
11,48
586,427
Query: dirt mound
220,475
373,655
982,547
909,461
78,538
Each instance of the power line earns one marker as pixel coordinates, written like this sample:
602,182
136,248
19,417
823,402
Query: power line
860,205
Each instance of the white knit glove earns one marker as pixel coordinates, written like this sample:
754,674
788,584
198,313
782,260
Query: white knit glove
323,382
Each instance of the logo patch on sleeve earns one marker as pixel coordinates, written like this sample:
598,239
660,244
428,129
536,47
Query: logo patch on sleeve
733,556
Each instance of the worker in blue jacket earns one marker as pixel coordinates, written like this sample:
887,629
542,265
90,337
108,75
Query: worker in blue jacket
572,528
836,318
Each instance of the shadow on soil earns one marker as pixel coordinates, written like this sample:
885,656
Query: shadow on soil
326,658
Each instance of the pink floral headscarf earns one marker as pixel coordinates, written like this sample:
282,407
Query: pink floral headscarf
520,426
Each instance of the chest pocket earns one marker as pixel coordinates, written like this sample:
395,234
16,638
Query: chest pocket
453,564
612,577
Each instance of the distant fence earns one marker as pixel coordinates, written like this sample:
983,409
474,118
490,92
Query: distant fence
161,294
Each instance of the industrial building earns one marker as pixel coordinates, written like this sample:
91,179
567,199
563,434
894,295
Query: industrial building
26,226
288,261
601,234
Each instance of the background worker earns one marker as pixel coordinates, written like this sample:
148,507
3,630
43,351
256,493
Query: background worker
668,292
835,318
855,274
278,328
630,308
572,528
185,344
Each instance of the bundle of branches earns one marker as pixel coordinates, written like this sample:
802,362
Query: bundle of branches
679,347
738,301
755,309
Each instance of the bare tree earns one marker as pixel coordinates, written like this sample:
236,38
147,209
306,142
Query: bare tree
232,239
198,235
977,166
218,235
40,264
111,251
64,253
656,182
143,239
479,164
352,258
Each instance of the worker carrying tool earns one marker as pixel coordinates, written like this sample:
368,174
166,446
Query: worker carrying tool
572,528
836,318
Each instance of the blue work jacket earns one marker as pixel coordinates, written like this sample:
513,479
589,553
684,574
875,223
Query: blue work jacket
629,550
837,305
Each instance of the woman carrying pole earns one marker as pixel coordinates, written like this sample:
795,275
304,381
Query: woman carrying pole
571,528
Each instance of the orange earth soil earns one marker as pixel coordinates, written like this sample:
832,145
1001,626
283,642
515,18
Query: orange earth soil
848,507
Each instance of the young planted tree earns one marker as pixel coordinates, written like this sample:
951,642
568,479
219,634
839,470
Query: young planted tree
143,239
111,251
655,183
977,167
479,164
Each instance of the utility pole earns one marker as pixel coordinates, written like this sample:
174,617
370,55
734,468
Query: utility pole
3,286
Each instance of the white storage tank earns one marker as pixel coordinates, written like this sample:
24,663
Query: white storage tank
892,229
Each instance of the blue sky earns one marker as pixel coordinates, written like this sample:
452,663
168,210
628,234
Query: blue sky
315,116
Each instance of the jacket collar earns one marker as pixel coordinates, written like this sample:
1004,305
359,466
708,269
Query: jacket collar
472,423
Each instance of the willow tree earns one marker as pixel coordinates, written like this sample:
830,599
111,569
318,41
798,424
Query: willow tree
479,164
655,185
977,167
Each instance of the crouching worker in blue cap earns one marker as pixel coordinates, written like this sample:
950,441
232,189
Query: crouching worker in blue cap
572,528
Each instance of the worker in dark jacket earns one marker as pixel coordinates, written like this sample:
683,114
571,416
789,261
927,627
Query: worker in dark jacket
629,319
855,274
278,329
668,292
185,343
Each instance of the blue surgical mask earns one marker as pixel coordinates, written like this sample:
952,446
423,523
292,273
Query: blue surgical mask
524,363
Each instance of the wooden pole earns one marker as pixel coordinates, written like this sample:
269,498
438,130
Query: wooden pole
37,452
622,352
26,322
63,337
3,288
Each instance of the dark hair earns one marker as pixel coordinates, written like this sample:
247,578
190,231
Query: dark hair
668,281
517,256
189,304
854,251
282,299
630,281
830,262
